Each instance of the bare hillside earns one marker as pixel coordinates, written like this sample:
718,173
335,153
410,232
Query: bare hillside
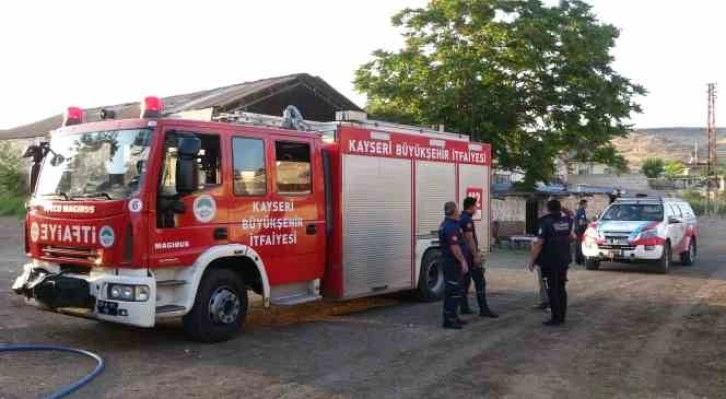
675,144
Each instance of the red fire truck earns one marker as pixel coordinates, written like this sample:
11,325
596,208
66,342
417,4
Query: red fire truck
162,216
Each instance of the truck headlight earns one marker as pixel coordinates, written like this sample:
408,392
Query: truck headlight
131,293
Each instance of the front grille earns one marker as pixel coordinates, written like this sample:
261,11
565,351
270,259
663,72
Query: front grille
62,254
616,239
623,247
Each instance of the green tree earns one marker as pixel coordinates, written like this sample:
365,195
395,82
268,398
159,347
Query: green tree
673,168
532,80
11,179
653,167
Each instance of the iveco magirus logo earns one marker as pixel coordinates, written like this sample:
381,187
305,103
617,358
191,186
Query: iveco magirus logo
204,208
106,236
34,232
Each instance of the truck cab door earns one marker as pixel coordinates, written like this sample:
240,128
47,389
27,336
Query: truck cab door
187,224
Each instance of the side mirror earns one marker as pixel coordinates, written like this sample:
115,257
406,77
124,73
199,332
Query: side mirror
187,168
37,152
674,220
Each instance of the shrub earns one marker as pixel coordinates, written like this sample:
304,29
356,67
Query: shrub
12,183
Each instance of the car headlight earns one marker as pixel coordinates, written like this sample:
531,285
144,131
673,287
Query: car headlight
131,293
648,234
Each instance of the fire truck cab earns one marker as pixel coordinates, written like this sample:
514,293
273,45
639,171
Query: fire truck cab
171,216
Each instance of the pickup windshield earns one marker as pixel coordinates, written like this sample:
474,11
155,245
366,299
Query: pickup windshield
102,165
634,213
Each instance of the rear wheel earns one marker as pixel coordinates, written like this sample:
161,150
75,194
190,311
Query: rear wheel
688,257
664,263
220,307
431,279
592,264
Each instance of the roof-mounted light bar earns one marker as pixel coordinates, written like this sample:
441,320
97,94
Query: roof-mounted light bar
73,116
152,107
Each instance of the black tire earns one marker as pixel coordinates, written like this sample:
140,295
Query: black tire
592,264
664,263
431,279
689,257
220,307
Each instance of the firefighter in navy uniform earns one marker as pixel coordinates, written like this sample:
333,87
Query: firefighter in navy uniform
454,264
551,251
475,261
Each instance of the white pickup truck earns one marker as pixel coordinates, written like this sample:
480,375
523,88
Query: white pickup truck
642,229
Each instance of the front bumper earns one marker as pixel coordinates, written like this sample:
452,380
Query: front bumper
615,253
87,295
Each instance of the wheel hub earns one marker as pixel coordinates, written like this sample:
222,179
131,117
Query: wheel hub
224,306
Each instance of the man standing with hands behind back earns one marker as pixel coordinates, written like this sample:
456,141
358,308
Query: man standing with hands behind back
551,251
475,261
454,264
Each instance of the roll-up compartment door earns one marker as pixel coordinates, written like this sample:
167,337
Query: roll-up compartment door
435,185
377,236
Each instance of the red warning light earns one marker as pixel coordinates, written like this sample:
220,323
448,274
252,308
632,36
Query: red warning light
73,116
152,107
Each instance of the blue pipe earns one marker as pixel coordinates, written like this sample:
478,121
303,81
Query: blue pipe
70,388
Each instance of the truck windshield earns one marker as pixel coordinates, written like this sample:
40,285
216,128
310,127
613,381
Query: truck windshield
96,165
634,213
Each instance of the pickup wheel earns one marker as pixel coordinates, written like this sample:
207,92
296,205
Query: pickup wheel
592,264
431,279
688,257
664,263
220,307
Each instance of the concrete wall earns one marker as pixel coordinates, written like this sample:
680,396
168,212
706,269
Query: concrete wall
514,209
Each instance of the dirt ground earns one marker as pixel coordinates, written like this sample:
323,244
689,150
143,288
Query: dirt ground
630,333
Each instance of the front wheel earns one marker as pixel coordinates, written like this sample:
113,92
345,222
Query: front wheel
664,263
220,307
431,279
688,257
592,264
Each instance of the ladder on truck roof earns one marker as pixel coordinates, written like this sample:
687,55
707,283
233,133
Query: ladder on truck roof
292,119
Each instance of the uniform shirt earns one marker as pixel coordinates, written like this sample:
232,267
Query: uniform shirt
580,217
466,222
554,233
449,235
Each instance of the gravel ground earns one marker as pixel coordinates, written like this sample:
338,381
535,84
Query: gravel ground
630,333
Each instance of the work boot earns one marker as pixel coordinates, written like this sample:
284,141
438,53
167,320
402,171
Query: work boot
484,310
462,321
465,308
453,324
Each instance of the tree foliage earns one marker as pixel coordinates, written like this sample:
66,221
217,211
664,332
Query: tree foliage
673,168
534,81
11,178
653,167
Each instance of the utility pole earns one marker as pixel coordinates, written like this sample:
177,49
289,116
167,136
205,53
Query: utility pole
712,168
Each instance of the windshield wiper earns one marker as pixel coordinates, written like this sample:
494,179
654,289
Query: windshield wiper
95,195
59,194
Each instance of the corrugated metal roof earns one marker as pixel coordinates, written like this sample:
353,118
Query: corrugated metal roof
249,94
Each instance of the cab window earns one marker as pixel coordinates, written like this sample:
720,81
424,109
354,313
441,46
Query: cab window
250,173
292,168
209,160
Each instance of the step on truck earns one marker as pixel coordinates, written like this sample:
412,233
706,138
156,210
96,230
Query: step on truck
180,215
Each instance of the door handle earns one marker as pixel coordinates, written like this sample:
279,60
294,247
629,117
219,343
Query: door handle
311,229
221,233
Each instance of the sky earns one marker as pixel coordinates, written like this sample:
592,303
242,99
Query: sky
57,54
